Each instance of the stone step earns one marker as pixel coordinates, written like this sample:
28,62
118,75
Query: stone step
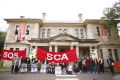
66,77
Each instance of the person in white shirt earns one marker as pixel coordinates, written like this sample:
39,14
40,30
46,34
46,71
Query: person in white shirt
70,68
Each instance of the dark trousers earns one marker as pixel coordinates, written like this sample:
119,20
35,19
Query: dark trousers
69,72
16,69
112,69
12,68
96,68
91,68
101,68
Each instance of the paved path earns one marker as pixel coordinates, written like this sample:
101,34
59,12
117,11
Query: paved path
40,76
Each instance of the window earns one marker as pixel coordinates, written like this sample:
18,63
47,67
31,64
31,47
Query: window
48,32
110,52
27,29
116,54
101,53
98,31
43,33
65,31
60,31
76,33
109,32
17,49
81,33
11,49
16,30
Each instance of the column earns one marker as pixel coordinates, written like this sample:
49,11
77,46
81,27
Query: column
91,51
96,52
56,47
113,54
50,48
35,51
77,51
27,50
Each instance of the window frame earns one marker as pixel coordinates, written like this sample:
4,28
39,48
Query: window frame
48,32
60,31
27,29
77,32
64,30
98,30
17,29
43,33
82,33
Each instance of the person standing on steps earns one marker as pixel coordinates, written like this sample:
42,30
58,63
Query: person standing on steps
110,62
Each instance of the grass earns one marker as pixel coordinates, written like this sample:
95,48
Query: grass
2,69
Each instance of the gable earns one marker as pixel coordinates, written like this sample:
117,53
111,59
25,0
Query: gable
64,37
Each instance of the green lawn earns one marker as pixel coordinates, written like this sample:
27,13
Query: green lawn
4,69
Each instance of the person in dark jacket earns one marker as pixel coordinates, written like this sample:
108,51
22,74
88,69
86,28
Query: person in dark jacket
110,62
101,64
13,63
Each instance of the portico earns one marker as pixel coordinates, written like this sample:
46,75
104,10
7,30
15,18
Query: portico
65,42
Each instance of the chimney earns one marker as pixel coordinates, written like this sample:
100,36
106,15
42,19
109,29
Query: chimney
80,17
43,16
22,17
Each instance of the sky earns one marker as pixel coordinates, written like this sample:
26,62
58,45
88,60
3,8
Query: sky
56,10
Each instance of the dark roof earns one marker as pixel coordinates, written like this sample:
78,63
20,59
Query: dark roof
92,21
25,20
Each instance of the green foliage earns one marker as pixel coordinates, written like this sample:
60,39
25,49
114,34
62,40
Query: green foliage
112,15
2,40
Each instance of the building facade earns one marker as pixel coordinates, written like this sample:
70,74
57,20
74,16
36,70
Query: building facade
88,37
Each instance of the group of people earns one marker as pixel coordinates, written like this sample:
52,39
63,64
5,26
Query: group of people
17,62
87,64
66,68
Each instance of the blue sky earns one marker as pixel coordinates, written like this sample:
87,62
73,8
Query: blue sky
56,10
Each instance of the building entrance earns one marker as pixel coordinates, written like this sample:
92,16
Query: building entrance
84,52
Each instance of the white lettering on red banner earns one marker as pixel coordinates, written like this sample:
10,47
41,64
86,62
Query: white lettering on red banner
67,56
57,57
10,55
64,57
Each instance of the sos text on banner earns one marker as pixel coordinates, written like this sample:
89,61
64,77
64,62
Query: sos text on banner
9,54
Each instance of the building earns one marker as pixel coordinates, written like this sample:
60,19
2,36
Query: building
89,37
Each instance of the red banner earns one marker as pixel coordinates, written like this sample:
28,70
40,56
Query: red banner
22,31
104,31
57,57
9,54
41,54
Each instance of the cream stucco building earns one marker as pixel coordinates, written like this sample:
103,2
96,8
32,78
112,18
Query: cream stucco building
88,37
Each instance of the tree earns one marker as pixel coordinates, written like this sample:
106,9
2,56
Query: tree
112,16
2,40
